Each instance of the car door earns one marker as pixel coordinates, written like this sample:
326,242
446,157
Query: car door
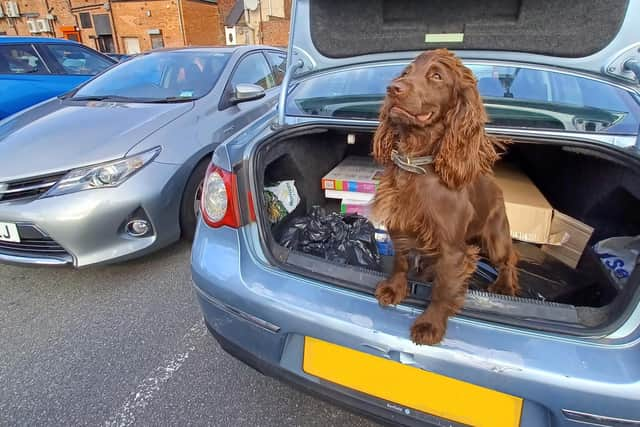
25,78
278,62
252,68
31,73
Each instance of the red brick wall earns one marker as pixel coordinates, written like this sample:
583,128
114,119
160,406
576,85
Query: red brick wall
18,26
92,7
130,20
225,7
203,24
78,5
63,15
275,32
86,34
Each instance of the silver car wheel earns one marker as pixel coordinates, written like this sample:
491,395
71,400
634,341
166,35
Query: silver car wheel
197,199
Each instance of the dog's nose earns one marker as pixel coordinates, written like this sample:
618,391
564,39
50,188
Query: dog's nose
396,88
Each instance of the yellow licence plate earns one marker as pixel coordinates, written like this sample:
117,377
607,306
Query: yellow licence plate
411,387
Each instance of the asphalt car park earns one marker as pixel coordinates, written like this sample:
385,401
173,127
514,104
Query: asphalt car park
125,345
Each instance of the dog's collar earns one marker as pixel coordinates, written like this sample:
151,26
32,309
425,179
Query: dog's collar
409,164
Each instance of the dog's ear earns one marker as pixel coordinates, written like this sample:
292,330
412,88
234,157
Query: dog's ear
465,150
383,138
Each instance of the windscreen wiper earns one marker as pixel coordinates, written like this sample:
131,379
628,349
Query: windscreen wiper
170,100
103,98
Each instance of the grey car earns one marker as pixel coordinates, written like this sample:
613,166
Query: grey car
113,169
558,78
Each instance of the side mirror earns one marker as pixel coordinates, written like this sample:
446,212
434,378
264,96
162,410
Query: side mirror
247,92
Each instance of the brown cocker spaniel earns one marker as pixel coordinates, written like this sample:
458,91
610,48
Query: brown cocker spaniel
437,196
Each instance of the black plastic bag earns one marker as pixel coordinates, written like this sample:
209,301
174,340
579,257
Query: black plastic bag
344,239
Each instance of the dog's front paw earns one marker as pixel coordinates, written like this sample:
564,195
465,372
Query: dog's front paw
390,293
427,333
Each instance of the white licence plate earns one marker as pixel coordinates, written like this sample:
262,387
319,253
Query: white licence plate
9,232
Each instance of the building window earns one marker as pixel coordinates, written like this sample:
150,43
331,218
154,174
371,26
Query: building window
131,45
156,41
105,44
85,20
102,24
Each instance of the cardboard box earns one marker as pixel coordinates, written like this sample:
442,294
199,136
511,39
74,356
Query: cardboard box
532,219
528,211
349,195
577,237
349,206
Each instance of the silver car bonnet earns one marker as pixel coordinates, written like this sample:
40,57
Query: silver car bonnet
586,35
57,136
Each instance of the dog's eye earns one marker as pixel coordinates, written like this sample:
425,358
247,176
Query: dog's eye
436,76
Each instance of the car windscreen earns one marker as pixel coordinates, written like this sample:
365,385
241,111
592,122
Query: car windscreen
169,76
514,96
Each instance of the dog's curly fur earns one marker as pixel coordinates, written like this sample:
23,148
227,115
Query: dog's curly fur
445,215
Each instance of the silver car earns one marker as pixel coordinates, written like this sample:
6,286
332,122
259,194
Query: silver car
113,169
557,77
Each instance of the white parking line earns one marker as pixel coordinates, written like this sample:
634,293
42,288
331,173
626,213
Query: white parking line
145,391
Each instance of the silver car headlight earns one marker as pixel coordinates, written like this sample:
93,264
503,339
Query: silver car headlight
110,174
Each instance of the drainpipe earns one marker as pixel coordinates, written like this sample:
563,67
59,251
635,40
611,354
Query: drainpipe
75,17
251,27
181,19
114,32
260,25
12,23
53,25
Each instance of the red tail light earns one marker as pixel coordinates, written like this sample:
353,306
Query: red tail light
219,203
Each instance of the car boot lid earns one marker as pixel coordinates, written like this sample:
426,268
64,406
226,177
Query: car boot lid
585,35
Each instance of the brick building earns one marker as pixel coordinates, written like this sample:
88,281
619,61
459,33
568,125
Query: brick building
132,26
144,25
94,25
35,17
256,21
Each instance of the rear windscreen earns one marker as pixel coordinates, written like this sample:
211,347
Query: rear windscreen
514,97
566,28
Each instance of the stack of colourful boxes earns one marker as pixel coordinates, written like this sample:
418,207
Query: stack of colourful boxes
354,181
